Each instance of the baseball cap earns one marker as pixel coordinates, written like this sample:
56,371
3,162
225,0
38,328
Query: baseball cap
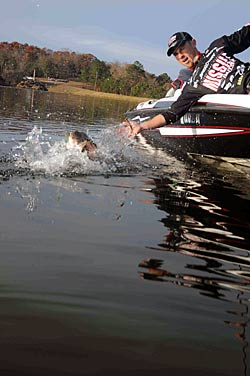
176,40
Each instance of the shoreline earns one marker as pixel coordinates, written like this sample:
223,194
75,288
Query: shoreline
75,88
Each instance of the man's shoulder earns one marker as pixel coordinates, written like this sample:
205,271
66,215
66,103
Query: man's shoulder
217,43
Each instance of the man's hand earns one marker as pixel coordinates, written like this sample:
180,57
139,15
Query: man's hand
133,127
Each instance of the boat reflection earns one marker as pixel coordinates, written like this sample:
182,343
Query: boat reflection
212,286
205,223
208,231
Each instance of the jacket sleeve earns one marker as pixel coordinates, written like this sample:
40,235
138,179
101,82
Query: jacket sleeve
188,97
238,41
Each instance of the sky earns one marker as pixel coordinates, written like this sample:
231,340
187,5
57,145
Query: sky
121,30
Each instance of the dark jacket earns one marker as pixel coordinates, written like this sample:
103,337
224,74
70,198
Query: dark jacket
217,72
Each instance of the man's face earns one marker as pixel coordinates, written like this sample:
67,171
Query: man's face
186,54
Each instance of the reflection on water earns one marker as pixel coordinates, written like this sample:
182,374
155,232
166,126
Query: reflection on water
209,225
85,243
33,105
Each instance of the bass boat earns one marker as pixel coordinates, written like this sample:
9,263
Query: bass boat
218,125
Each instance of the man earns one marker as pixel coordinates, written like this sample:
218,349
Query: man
214,71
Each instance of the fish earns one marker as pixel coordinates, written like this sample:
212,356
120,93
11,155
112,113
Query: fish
81,141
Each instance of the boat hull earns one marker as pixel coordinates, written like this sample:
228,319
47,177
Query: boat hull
234,145
209,128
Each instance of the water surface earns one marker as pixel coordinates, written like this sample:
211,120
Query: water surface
129,264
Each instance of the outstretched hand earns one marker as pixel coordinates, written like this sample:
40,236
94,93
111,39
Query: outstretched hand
133,127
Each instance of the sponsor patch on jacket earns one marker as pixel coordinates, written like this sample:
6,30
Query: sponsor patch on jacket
219,70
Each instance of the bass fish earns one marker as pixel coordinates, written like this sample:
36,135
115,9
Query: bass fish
82,141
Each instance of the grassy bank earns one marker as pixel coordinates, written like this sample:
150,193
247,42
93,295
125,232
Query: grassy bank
75,88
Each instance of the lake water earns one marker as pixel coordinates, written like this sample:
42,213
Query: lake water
133,263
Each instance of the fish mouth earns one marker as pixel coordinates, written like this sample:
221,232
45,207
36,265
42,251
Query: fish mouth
80,140
79,136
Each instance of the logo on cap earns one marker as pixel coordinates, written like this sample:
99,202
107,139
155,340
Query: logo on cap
171,40
176,40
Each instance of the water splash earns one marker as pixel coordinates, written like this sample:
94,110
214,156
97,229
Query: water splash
42,153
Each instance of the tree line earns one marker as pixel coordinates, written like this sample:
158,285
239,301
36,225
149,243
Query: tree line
19,60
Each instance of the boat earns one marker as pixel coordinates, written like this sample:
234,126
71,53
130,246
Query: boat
217,125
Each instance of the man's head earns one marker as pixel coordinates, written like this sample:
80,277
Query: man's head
183,47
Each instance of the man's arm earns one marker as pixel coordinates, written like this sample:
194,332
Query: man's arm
135,128
188,97
238,41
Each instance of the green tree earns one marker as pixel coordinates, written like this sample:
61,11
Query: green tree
18,60
163,79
